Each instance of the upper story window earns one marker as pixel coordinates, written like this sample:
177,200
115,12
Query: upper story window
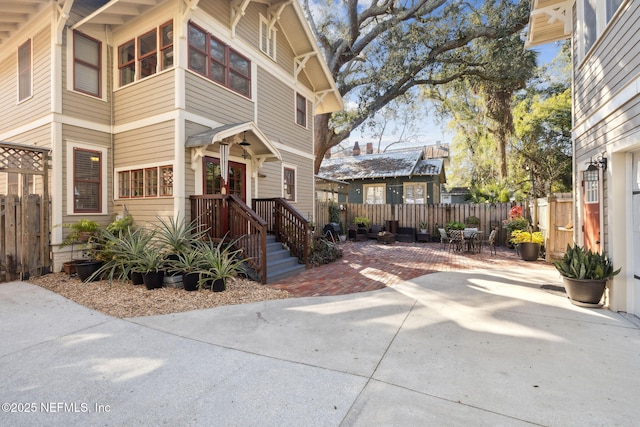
267,38
25,71
138,58
594,16
217,61
87,64
301,110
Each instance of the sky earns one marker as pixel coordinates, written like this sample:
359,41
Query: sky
430,132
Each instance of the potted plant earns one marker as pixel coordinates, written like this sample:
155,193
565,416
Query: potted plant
529,243
423,226
189,263
81,231
220,262
150,262
362,221
585,274
472,221
454,225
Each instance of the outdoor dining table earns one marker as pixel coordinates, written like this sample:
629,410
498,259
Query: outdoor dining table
471,239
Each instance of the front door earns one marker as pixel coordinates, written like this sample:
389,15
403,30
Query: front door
213,180
591,207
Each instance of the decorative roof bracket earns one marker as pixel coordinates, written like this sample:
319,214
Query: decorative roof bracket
300,61
560,12
197,153
274,11
238,8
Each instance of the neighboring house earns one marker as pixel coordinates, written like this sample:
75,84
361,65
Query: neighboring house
398,177
606,128
145,104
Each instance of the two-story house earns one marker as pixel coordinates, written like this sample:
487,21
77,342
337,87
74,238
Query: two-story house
605,38
147,103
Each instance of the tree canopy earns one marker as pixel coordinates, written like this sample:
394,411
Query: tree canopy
383,50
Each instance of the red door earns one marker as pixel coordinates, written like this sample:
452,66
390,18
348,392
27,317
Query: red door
591,208
213,180
213,184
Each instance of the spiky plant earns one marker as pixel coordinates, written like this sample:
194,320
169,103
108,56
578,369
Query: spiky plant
580,263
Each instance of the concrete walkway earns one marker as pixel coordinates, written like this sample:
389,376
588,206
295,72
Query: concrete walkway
481,347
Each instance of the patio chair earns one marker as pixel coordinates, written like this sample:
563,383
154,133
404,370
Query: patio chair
456,241
444,239
491,242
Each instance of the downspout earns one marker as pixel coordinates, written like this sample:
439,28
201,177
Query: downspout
110,95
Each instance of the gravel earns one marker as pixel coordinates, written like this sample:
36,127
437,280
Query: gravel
123,299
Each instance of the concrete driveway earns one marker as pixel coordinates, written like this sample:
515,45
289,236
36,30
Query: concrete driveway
459,348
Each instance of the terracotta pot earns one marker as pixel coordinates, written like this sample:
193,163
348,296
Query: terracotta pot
587,291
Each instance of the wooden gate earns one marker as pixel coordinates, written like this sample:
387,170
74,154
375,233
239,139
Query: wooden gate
24,221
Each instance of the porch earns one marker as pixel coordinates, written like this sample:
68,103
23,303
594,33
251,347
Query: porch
250,228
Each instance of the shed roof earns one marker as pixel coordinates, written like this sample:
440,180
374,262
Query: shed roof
384,165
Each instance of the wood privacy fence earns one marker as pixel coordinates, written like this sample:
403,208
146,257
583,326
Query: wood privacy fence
24,237
551,214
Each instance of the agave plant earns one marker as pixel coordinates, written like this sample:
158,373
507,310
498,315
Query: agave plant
176,234
578,263
221,261
120,251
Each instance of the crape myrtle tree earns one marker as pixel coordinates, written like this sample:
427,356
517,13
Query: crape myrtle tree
378,51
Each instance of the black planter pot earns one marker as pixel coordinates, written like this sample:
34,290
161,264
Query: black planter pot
190,281
153,279
219,285
529,251
86,269
136,278
584,291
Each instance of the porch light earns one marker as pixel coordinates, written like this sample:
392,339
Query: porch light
244,144
599,163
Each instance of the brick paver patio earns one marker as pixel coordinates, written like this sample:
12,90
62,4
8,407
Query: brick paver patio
369,265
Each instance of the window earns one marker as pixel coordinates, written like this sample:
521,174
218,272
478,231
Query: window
267,38
25,68
148,182
612,8
217,61
141,54
591,185
87,180
289,179
590,24
148,54
301,110
415,193
374,194
86,64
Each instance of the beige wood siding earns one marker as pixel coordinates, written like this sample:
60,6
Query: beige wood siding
149,144
219,10
602,74
276,113
145,98
272,186
208,99
145,211
18,114
84,106
40,137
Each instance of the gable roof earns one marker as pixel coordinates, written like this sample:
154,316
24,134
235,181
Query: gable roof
289,14
383,165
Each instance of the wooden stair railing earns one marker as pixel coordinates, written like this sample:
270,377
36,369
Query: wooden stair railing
228,217
288,225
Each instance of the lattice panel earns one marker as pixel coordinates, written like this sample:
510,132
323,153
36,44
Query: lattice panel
21,159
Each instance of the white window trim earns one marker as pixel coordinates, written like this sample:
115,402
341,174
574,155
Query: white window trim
116,180
384,192
602,25
271,44
69,178
415,184
306,110
26,98
295,176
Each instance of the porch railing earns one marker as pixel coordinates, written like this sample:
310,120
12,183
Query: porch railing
287,224
229,217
